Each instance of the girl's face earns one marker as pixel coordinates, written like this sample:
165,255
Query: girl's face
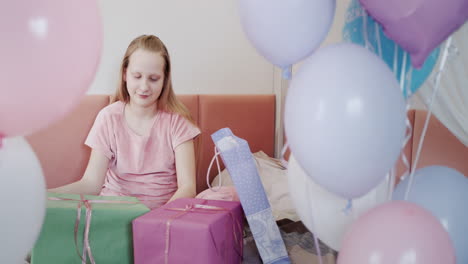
144,77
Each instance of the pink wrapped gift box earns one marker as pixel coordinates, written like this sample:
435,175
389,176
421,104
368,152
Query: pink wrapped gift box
190,231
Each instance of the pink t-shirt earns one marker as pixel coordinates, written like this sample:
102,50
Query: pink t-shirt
140,166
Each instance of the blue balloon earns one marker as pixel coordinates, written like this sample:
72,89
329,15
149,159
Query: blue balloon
444,192
353,31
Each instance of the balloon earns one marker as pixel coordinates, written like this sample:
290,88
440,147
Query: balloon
345,119
323,212
444,192
418,26
285,32
23,199
397,232
378,43
50,52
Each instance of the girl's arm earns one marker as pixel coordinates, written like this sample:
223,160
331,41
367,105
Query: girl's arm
185,167
93,178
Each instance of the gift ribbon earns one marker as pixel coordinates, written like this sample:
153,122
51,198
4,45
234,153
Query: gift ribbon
200,208
87,203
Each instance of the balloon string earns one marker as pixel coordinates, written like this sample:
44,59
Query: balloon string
348,208
287,72
404,90
364,30
402,73
428,116
215,157
392,173
409,135
389,185
2,137
316,241
395,59
409,128
283,152
379,43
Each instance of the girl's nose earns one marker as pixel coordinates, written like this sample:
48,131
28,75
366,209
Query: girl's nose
144,86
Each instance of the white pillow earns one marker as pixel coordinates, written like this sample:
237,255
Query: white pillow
274,179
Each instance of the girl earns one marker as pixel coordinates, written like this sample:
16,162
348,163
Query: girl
142,143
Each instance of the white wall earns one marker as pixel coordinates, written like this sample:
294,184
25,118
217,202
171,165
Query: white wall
334,35
205,40
209,51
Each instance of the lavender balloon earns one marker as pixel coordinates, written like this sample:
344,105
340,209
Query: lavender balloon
345,119
285,32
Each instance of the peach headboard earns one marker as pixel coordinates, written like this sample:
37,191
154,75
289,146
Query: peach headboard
63,155
440,146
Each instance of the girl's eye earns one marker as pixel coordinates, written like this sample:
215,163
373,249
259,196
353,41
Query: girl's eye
154,79
137,76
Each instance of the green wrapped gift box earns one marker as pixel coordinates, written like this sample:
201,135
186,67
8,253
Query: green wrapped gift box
109,229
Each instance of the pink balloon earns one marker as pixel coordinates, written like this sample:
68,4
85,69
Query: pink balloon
418,26
397,232
50,51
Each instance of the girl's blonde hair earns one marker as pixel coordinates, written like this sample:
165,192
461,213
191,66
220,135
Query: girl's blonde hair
167,101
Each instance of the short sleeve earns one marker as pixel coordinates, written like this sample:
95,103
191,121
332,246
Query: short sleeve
99,136
182,130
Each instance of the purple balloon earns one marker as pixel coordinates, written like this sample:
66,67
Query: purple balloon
418,26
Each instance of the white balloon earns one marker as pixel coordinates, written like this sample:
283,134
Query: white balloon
323,212
286,31
345,119
23,199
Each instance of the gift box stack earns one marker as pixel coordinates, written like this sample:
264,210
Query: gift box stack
101,229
